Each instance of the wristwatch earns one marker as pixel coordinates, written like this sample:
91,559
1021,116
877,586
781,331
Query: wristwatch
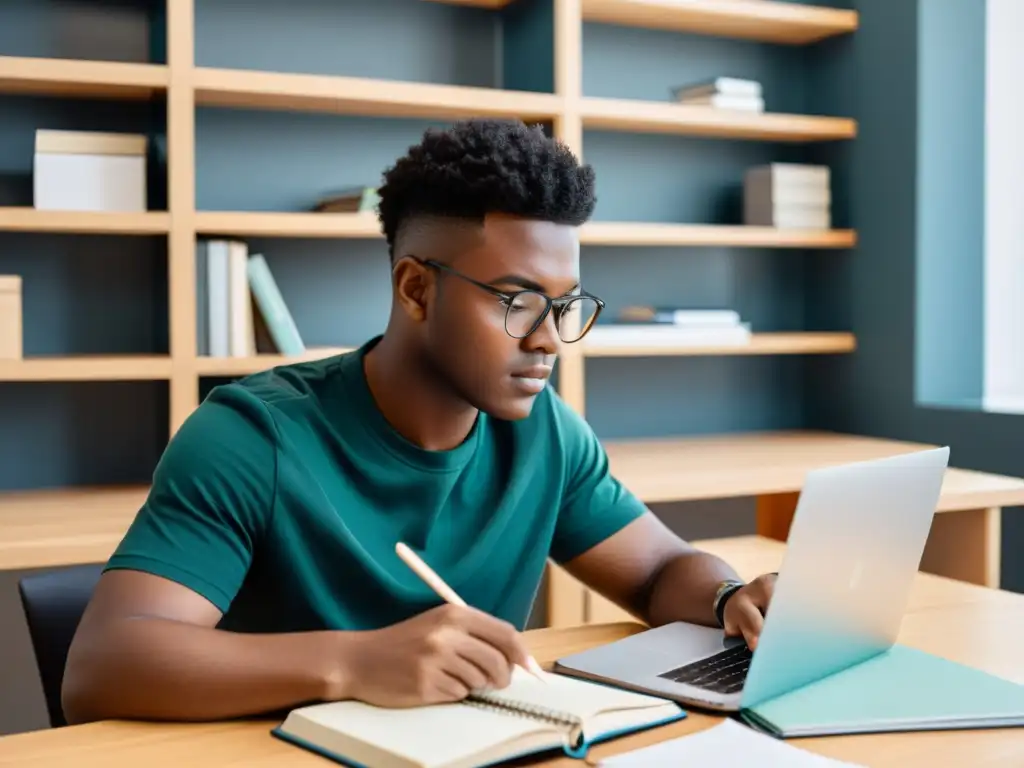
726,589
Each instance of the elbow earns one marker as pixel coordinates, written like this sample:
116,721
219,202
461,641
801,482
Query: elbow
81,694
75,702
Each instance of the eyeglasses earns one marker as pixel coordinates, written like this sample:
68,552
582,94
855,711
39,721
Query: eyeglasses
525,310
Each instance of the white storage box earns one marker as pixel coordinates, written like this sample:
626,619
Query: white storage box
87,171
10,317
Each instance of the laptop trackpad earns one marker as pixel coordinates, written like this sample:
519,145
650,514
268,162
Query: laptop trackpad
651,652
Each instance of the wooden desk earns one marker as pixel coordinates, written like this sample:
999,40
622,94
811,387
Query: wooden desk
45,529
964,543
981,627
54,528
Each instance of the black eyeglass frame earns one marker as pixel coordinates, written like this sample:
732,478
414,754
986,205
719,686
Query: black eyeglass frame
509,297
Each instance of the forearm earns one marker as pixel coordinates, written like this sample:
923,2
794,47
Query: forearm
684,589
158,669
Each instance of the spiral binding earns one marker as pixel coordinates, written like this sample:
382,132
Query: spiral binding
572,723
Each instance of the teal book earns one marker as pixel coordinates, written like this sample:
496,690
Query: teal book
276,316
558,715
901,689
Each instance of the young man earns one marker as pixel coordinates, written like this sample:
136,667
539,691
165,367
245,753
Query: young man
261,572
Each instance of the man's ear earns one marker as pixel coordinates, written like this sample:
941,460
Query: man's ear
412,286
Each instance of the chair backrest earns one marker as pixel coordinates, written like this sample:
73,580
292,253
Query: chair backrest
54,602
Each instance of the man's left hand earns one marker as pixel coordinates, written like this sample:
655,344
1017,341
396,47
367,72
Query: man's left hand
744,611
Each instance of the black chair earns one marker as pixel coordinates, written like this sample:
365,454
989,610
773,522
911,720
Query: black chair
54,602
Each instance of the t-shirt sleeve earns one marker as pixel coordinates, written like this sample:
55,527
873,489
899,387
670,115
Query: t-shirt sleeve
595,504
210,501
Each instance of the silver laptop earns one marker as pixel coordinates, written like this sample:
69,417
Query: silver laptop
853,550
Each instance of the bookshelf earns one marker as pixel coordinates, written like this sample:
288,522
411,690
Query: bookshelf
770,22
186,89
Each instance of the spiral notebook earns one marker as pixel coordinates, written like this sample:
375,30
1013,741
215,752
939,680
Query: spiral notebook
527,717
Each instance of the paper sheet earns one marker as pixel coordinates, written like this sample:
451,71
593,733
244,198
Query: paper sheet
726,744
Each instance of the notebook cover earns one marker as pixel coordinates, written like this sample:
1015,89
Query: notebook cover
578,752
903,689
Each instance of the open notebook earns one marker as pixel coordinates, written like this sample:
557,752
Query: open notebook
527,717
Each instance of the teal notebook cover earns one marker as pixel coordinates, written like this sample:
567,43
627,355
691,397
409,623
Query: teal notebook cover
902,689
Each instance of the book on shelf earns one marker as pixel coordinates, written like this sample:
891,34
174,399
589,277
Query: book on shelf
239,308
722,93
788,196
666,335
527,717
701,318
349,200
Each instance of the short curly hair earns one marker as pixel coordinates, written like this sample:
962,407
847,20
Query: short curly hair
483,166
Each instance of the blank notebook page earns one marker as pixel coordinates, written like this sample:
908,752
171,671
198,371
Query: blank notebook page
726,744
435,735
578,697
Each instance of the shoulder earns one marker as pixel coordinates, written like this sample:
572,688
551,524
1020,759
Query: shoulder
256,402
236,429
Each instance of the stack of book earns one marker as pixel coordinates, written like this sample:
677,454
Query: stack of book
670,326
722,93
787,196
239,307
349,200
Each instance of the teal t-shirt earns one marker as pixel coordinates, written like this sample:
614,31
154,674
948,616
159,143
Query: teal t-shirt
282,496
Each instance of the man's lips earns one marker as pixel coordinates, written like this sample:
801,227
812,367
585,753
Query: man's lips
542,372
532,380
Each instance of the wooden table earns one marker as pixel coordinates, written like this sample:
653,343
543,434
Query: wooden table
54,528
965,541
970,624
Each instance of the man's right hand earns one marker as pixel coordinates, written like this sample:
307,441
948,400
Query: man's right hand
438,656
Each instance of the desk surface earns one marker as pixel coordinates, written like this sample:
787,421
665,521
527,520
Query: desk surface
980,627
756,464
52,528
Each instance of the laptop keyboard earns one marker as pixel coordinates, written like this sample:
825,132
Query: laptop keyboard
724,672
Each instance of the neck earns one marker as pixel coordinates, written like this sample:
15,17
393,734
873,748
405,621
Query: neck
413,400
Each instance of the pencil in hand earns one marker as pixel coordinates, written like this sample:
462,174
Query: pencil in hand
446,593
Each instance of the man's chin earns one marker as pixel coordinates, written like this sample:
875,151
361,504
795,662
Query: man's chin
511,408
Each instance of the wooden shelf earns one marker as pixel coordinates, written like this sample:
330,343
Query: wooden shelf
87,368
764,20
666,117
760,344
644,234
84,222
365,96
243,366
251,224
91,79
367,226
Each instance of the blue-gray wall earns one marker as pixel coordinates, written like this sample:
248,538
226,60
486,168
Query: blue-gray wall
913,75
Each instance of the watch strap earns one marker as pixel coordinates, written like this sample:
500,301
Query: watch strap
725,590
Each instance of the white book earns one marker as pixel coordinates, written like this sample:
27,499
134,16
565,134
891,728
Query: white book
787,216
662,334
217,293
242,336
726,86
790,174
722,101
680,317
